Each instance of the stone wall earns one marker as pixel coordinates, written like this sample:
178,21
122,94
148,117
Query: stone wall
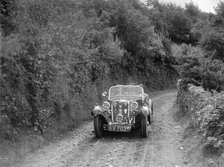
206,111
192,100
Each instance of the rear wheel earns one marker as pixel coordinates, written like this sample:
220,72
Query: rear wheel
144,127
98,126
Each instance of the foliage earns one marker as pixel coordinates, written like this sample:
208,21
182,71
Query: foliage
206,112
203,65
139,39
206,72
213,42
192,11
220,9
60,55
172,21
206,66
7,12
45,49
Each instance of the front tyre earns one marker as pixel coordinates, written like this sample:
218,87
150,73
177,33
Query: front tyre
144,127
98,126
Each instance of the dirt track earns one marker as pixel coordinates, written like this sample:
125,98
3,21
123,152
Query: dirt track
161,149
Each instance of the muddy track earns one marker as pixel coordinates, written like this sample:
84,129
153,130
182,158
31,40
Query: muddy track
161,149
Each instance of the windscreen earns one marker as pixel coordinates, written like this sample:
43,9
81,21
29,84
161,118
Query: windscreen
125,92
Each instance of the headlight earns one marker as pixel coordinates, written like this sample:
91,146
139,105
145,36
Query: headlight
105,106
145,110
96,110
134,105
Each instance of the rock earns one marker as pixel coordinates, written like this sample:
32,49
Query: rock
181,148
211,163
177,127
185,162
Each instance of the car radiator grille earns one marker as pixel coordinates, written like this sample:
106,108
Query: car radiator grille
120,112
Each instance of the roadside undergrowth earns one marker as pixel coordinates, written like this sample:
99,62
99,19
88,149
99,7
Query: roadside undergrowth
203,133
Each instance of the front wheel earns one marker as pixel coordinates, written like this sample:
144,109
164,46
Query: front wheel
98,127
144,127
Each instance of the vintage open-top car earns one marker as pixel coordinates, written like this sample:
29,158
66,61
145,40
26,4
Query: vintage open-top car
126,107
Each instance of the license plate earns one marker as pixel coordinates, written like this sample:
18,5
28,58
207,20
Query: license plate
119,128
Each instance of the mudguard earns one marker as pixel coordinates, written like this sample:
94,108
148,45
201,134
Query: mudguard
105,116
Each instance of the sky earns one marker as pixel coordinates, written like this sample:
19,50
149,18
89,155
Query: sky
204,5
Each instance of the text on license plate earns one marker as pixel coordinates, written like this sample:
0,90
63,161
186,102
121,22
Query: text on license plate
119,128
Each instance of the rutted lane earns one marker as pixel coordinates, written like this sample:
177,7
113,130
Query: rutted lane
82,149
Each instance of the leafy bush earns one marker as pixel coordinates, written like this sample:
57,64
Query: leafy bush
192,64
212,127
213,42
63,54
42,52
206,112
8,10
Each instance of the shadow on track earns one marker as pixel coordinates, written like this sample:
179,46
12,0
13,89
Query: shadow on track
129,136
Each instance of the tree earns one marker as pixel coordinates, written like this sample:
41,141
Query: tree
192,11
8,10
220,9
213,41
